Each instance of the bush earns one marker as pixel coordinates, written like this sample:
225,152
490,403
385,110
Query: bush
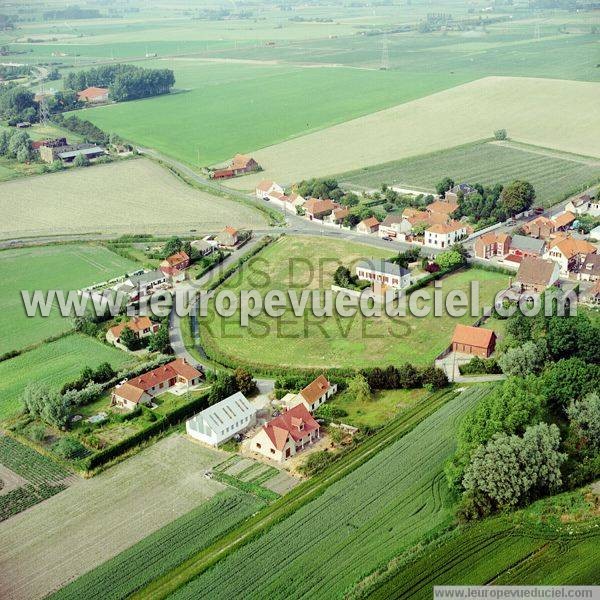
68,447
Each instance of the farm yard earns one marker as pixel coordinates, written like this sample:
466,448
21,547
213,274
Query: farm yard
518,549
164,549
53,364
540,112
383,507
336,342
131,196
26,477
54,267
554,175
95,519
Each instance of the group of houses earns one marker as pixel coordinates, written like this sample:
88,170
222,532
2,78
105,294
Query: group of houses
51,150
279,438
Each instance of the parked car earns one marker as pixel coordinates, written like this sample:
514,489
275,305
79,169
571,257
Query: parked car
386,238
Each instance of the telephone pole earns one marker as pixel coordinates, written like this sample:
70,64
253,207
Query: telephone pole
385,55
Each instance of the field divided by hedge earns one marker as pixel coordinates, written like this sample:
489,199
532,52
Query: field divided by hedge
385,505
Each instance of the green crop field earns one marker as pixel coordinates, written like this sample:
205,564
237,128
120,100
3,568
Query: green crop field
512,550
266,104
53,364
542,112
37,477
554,175
387,504
335,341
164,549
60,267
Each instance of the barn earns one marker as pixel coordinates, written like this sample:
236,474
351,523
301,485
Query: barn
473,340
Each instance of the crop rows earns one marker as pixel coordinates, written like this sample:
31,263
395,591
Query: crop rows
164,549
387,504
24,497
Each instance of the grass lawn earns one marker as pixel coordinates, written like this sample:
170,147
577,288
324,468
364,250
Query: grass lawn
333,342
554,175
58,267
384,406
129,196
266,104
52,364
540,112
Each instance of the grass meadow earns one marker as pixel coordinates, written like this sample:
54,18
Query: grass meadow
58,267
129,196
53,364
310,341
541,112
554,175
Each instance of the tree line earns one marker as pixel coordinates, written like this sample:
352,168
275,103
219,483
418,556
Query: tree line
125,82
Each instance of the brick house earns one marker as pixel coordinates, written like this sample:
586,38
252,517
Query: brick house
286,435
473,340
243,164
174,265
540,228
536,274
492,244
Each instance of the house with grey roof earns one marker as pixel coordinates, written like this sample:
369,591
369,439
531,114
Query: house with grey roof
378,270
221,421
522,245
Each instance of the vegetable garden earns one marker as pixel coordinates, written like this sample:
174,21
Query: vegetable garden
44,477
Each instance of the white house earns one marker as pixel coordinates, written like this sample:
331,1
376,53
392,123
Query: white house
568,253
221,421
442,235
317,392
381,271
264,188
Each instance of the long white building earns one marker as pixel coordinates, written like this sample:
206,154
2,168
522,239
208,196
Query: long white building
221,421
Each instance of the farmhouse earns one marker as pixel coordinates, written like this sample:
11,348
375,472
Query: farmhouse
318,209
93,95
52,143
473,340
462,190
228,238
67,153
264,188
174,266
286,435
536,274
370,225
444,235
589,268
142,327
568,253
522,245
177,374
492,244
384,272
221,421
243,164
443,208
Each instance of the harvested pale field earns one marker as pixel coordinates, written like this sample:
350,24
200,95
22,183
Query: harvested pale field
557,114
133,196
93,520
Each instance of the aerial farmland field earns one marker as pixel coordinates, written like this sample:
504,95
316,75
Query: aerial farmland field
131,196
334,342
387,504
57,267
540,112
554,175
53,364
95,519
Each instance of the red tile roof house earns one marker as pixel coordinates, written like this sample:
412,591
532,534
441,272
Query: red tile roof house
492,244
370,225
174,266
541,228
93,95
228,238
318,209
286,435
569,252
317,392
243,164
473,340
563,221
142,327
536,274
142,389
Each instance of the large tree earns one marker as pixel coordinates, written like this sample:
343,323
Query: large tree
517,197
523,360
